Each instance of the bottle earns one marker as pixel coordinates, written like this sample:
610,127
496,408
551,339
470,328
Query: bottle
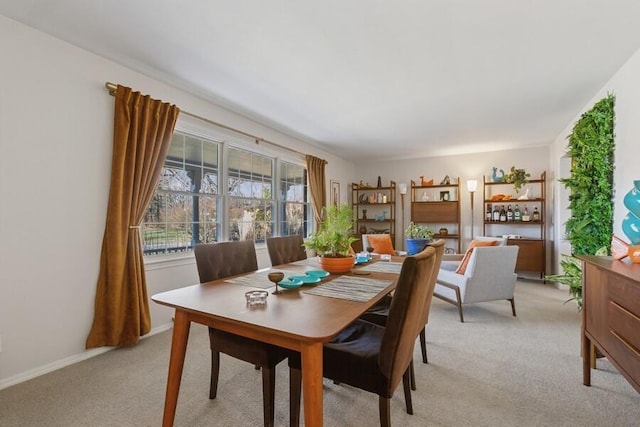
488,215
517,217
525,215
536,214
503,214
384,198
509,214
496,214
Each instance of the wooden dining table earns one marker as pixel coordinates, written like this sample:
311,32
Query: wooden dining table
294,319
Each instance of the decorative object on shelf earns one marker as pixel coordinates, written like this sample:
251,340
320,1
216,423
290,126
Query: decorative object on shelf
525,196
417,236
472,186
379,230
363,229
426,183
381,217
425,196
364,214
449,251
332,241
379,182
362,184
443,231
517,177
445,196
446,180
494,175
634,254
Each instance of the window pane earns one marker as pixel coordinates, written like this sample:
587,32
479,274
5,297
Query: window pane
193,151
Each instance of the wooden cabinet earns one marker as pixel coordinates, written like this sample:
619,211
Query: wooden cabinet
529,236
374,209
611,315
438,206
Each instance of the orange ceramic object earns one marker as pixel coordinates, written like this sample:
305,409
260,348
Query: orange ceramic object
634,254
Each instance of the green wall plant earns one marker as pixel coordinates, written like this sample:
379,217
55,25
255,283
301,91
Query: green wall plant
591,148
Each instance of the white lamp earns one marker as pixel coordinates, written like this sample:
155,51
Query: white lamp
472,186
402,188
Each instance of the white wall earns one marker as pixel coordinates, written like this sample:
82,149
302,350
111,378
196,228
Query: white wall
625,85
56,121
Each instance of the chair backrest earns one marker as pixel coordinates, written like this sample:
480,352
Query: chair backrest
285,249
438,245
502,241
225,259
491,272
406,315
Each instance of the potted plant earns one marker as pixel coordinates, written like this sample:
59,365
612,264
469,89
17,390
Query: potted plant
417,236
517,177
332,241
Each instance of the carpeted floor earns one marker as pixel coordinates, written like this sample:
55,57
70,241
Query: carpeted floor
492,370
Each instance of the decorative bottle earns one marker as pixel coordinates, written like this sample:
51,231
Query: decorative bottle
488,215
516,214
496,214
525,215
536,214
509,214
503,214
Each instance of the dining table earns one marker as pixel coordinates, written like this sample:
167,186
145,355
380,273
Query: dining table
300,319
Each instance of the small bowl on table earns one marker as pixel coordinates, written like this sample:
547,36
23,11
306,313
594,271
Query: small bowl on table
634,254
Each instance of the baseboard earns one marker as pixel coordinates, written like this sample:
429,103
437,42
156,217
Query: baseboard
45,369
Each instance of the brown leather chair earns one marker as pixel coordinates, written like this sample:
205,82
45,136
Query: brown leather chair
225,259
285,249
376,358
379,313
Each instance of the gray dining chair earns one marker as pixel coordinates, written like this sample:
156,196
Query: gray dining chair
286,249
217,261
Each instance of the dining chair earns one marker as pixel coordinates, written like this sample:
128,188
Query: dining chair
375,358
286,249
379,313
217,261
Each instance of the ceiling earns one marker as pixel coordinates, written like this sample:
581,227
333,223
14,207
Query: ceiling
368,79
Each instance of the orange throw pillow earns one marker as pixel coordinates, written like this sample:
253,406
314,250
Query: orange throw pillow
381,244
474,244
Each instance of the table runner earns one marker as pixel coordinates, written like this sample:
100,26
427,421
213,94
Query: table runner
383,267
351,288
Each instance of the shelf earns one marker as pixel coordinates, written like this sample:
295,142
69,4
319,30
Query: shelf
514,223
370,224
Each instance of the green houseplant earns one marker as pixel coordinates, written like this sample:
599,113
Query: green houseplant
416,237
517,177
333,239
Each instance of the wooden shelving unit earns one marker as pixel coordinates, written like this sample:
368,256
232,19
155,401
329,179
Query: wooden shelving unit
374,209
430,206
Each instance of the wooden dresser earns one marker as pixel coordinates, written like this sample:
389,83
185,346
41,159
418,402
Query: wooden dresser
611,315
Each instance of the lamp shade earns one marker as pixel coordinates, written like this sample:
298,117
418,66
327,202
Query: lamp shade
472,185
402,187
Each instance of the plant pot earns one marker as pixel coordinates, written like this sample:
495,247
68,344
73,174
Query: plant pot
337,264
415,246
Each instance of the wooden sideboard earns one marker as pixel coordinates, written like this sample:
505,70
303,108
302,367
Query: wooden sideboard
611,315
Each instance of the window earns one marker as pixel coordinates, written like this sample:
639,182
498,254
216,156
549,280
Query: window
183,210
262,196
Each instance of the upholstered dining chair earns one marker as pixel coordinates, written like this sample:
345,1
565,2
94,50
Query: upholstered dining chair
286,249
375,358
225,259
379,313
486,273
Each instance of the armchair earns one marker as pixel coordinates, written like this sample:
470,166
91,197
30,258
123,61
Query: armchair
381,244
489,276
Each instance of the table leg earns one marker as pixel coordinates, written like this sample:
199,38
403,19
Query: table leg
181,327
587,350
312,384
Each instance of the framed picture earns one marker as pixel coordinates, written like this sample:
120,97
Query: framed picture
445,196
335,193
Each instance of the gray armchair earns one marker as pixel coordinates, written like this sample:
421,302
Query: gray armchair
489,276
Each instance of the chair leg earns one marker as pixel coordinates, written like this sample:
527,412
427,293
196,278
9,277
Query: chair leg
295,386
413,376
384,407
406,382
459,304
268,394
513,305
423,345
215,371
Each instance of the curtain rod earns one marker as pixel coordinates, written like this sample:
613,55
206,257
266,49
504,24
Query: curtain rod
112,91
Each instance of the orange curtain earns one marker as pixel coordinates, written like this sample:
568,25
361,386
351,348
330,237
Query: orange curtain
142,133
317,185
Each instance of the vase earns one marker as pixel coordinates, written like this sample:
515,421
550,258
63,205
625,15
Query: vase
337,264
415,246
631,228
632,199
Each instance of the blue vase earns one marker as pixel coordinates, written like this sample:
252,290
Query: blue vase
415,246
631,228
632,199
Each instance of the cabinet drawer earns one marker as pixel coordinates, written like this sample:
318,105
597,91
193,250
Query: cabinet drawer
440,212
624,344
530,254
